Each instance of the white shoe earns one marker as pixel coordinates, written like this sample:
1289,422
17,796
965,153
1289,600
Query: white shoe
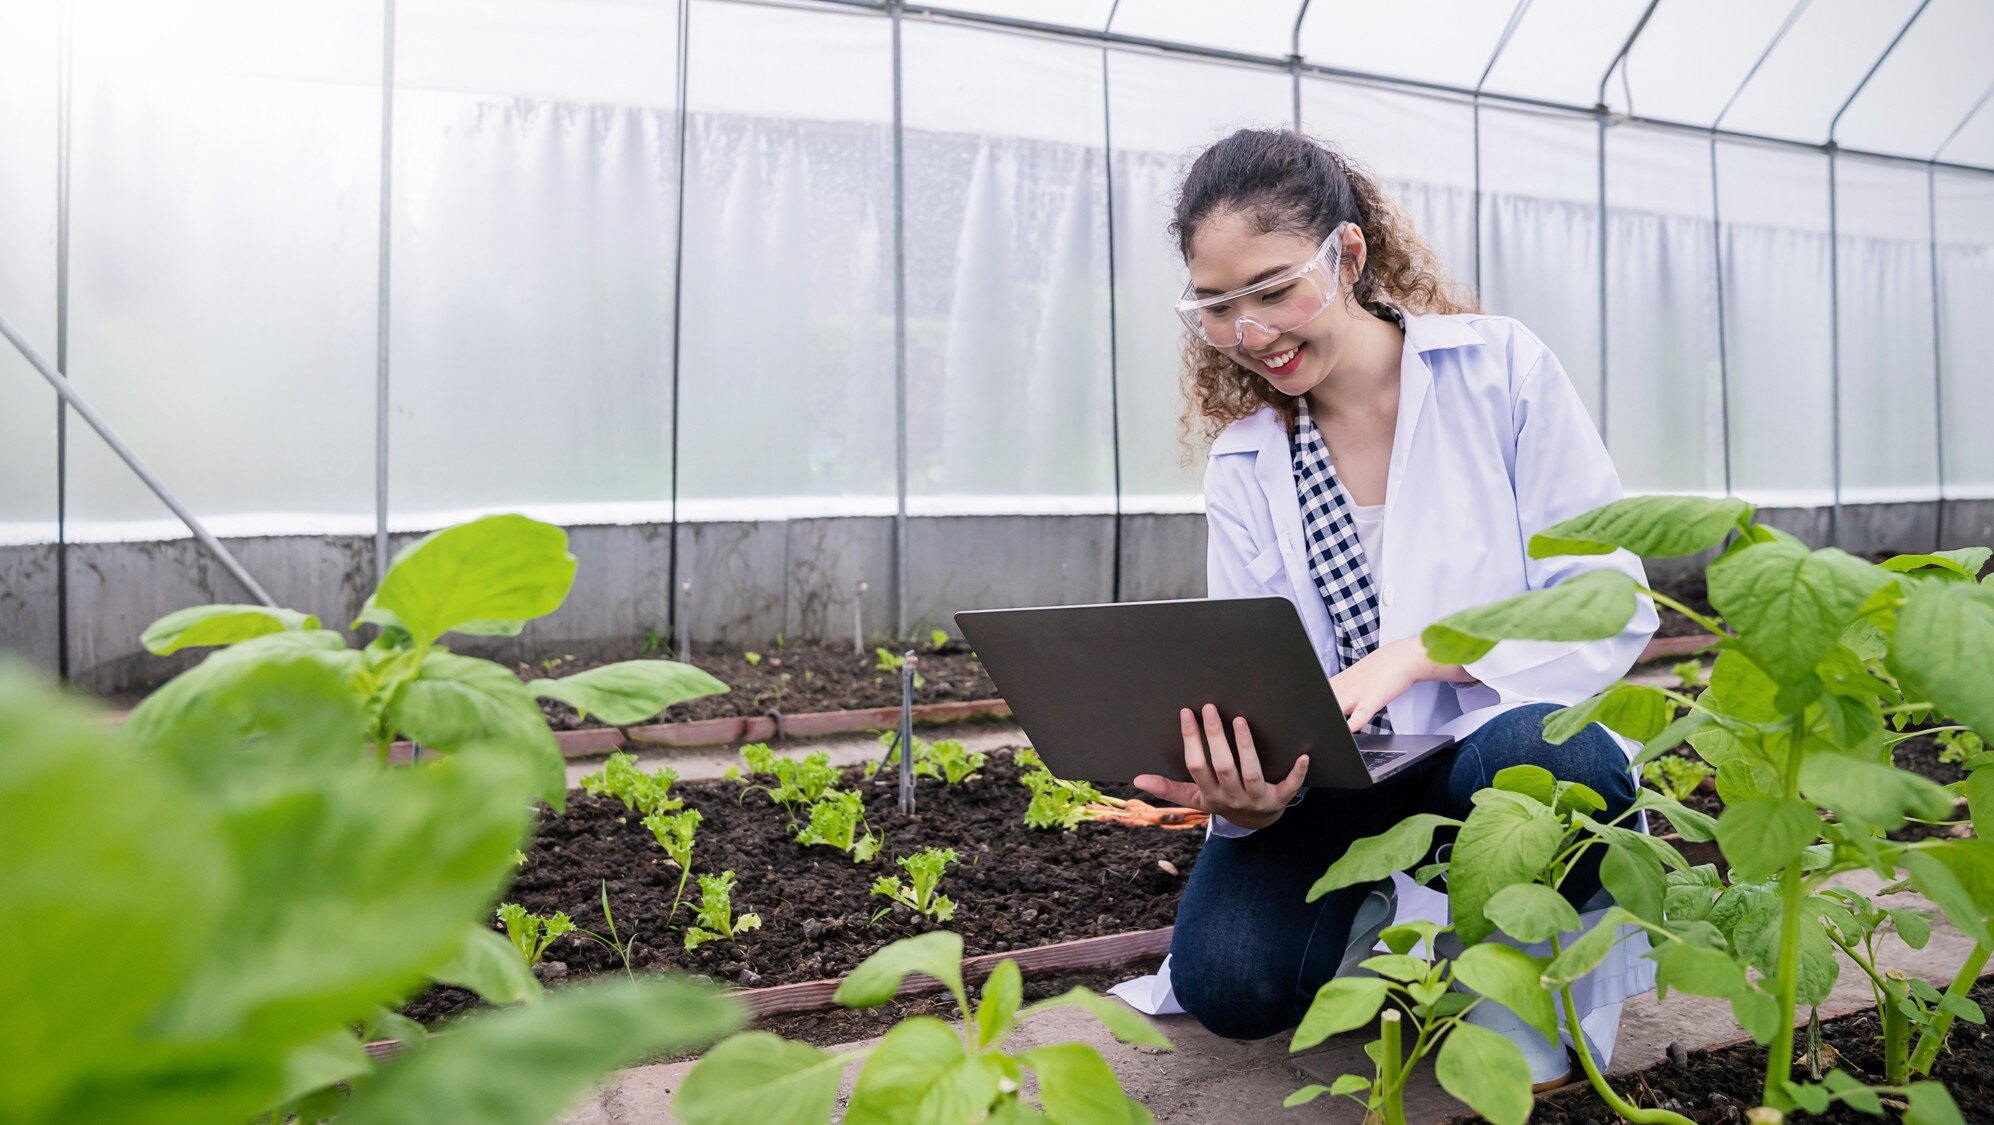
1550,1063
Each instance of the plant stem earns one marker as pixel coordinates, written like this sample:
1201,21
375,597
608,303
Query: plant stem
1607,1094
1896,1029
685,869
1793,893
1390,1079
1934,1035
1710,624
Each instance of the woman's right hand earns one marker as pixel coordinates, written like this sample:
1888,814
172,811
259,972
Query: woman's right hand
1224,782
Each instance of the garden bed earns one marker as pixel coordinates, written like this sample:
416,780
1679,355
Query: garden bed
1014,887
1718,1084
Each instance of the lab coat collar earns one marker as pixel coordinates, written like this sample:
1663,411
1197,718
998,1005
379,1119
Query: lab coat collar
1424,332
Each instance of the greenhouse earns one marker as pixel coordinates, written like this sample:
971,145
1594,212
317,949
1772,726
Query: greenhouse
1104,560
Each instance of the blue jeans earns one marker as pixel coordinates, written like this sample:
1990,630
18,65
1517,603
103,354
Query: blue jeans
1249,953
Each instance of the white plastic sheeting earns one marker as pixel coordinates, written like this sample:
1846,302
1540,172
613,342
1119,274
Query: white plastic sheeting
226,207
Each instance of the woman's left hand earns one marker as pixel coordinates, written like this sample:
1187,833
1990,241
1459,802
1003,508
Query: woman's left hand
1367,686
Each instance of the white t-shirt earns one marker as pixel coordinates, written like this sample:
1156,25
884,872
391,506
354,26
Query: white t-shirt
1370,521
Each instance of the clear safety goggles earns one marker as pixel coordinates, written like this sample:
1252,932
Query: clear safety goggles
1277,305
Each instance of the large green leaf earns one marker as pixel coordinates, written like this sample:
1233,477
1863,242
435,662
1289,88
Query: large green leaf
499,569
1584,955
1122,1021
1958,876
1943,649
489,964
1697,970
1344,1004
629,692
1531,912
1635,710
1653,527
1757,936
760,1077
1964,564
1487,1071
1634,879
1508,838
459,704
876,980
1694,826
920,1072
1591,606
1077,1087
1791,605
526,1064
204,625
1875,795
1761,836
997,1008
1512,978
1372,858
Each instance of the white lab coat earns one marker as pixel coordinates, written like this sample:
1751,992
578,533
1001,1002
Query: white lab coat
1491,445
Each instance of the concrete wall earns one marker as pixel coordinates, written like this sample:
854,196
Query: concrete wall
748,581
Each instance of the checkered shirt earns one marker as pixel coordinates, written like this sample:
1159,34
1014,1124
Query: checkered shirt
1336,557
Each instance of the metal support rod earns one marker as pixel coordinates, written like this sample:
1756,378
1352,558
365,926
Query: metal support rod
1834,355
1723,350
1475,111
384,281
1938,359
1835,124
1247,58
1620,56
1295,61
132,461
899,341
1605,434
858,618
1792,17
1114,344
65,37
907,733
678,304
1959,128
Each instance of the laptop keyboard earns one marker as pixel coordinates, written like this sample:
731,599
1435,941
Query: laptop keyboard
1375,758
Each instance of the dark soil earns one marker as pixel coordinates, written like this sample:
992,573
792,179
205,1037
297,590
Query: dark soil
797,678
1918,754
1717,1086
1690,590
1014,887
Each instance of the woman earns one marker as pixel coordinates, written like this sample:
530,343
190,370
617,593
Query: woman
1381,456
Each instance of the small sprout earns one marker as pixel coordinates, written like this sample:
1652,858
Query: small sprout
1677,777
938,639
888,661
924,870
640,792
1690,672
716,920
835,822
1056,802
798,781
531,934
1956,746
518,858
958,763
674,833
753,658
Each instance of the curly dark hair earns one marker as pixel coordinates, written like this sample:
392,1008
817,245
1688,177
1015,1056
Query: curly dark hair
1284,180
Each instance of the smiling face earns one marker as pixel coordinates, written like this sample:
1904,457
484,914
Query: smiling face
1228,251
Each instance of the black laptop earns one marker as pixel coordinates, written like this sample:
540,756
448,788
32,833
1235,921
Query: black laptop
1097,688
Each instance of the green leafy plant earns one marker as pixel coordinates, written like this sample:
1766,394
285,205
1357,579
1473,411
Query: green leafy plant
924,869
837,820
890,661
640,792
715,919
674,833
1689,673
1676,776
938,639
924,1069
1818,652
753,658
796,781
1056,802
1958,745
948,760
531,934
288,886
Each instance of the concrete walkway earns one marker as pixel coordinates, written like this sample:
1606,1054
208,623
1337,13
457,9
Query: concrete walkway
1209,1079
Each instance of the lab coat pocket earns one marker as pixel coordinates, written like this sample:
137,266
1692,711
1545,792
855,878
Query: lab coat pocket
1266,566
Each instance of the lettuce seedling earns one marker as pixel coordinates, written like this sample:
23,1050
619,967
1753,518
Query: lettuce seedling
925,1069
889,661
716,920
1056,802
835,822
640,792
797,781
924,870
947,761
531,934
1676,776
674,833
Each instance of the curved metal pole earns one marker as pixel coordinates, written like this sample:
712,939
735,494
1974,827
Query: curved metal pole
899,340
1792,17
383,280
1600,115
132,460
1723,348
1114,330
1963,122
1874,67
1640,26
1295,60
672,623
1938,357
1502,41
